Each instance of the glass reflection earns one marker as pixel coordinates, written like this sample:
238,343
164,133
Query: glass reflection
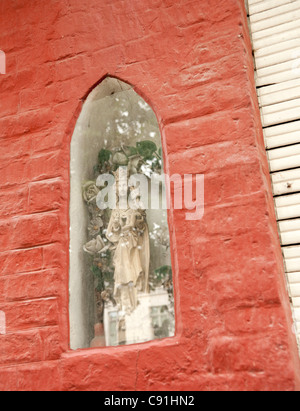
126,252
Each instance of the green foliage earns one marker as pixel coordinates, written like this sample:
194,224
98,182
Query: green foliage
109,257
99,276
162,273
133,157
130,151
108,276
104,156
155,164
146,149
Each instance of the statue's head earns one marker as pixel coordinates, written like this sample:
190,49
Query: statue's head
121,181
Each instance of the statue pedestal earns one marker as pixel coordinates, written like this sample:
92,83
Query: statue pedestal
99,340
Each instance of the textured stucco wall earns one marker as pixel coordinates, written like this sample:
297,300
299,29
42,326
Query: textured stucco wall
191,60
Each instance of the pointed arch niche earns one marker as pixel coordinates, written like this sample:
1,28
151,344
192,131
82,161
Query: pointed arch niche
120,280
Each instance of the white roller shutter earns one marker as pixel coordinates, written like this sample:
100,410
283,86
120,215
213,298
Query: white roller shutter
275,30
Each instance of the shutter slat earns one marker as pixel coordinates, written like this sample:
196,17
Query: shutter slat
289,231
284,86
283,15
272,13
260,6
292,186
296,301
295,290
292,262
292,31
284,140
278,73
292,237
297,314
279,93
292,265
284,201
288,207
278,57
255,1
282,107
285,163
291,252
294,278
277,48
266,33
282,129
280,117
289,226
276,78
285,152
287,212
286,182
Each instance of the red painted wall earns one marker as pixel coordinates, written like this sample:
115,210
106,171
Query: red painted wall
191,59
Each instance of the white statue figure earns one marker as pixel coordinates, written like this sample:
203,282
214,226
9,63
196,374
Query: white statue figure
128,231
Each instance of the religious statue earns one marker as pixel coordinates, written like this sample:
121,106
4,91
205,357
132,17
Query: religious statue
118,245
128,231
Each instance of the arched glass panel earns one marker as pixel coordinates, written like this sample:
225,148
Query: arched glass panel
121,289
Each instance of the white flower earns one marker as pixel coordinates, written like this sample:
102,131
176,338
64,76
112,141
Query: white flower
95,246
90,191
